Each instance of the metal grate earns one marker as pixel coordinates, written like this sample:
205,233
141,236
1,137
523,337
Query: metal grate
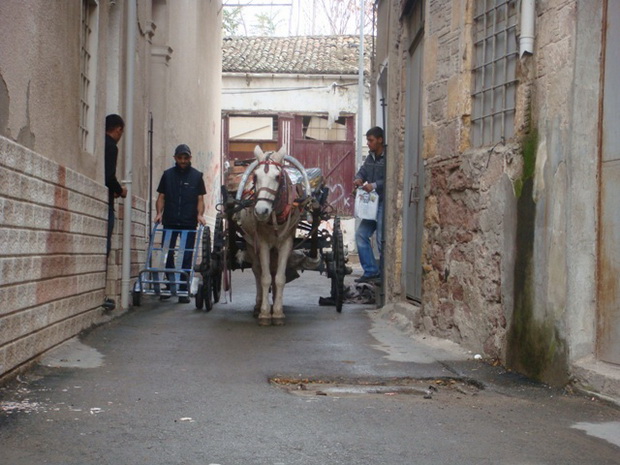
495,54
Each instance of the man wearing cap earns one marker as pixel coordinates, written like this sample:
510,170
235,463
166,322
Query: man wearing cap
180,205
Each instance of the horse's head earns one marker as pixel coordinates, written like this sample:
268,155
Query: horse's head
267,177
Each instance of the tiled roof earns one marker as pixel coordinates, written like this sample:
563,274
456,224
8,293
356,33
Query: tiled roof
296,55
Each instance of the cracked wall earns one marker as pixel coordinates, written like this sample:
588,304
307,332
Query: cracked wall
509,249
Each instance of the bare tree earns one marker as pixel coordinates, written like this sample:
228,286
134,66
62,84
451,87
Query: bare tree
266,24
337,17
231,21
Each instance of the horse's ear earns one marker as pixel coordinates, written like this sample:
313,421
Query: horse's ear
279,155
259,154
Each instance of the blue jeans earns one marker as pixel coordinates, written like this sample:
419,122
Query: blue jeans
364,247
187,256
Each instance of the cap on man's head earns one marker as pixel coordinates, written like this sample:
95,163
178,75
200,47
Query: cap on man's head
182,149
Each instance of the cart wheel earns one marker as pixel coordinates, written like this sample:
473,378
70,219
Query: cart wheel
206,292
206,249
339,268
217,257
136,297
198,298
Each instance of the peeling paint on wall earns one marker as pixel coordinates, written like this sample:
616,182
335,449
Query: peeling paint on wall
4,108
26,136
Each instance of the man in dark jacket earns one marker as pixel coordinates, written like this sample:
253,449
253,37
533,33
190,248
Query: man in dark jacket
370,177
114,128
180,205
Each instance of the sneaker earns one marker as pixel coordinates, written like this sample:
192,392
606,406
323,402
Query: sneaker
183,300
164,297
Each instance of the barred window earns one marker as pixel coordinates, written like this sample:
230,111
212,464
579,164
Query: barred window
88,50
495,55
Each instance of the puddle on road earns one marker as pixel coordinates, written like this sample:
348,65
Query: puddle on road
608,431
424,388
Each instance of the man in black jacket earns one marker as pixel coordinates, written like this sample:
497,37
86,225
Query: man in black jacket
114,128
180,205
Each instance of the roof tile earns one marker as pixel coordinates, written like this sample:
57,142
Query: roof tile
294,55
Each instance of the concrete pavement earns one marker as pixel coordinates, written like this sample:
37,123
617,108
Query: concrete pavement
166,384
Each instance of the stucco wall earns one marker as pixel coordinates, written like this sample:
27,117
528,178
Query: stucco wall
187,102
322,99
52,259
565,102
39,70
53,202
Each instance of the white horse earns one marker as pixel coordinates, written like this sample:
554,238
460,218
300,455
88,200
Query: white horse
269,229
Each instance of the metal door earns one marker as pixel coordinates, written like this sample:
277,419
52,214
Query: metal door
609,252
414,170
336,160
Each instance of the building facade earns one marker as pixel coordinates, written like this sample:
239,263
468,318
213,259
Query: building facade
502,160
63,68
302,92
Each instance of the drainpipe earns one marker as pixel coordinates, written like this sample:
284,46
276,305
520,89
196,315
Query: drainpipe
129,88
360,88
528,14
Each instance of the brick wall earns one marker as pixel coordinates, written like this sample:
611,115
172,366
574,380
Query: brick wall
52,253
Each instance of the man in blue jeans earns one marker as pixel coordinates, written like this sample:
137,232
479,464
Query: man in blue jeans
180,206
371,177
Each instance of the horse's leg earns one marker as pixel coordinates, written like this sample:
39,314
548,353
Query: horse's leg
259,287
264,317
280,280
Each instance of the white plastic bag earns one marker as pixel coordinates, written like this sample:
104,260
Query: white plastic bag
366,204
193,289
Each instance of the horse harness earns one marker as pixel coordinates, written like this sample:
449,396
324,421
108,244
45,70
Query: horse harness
285,198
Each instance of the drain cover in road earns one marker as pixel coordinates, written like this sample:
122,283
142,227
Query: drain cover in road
423,388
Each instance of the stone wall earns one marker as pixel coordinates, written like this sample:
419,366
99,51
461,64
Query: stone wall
52,253
468,258
469,195
511,230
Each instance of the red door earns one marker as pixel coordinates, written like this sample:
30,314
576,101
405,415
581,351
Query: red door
335,158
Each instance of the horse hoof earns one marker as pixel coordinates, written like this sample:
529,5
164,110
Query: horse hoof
277,321
264,322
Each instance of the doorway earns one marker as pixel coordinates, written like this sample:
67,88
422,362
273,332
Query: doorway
413,202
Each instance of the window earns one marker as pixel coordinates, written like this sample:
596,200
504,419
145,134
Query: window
88,71
495,55
318,128
252,127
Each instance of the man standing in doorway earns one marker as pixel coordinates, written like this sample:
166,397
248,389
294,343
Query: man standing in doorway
114,128
371,177
180,205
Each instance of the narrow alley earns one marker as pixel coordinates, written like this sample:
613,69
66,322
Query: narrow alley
167,384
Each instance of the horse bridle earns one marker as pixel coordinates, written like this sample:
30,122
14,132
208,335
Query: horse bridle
267,162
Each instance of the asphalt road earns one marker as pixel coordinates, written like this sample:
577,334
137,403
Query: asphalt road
166,384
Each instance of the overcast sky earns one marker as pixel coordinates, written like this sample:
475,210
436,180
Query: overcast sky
303,17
